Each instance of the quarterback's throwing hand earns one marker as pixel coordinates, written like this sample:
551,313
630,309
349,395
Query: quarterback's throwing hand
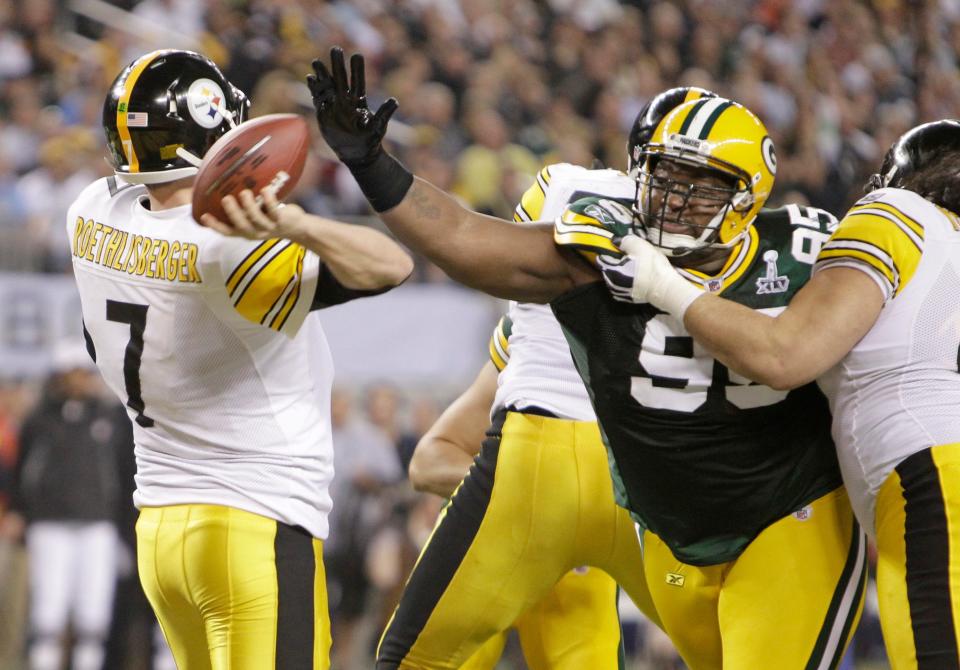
257,218
347,124
644,275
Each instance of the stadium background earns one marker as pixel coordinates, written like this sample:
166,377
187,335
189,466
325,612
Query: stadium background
489,90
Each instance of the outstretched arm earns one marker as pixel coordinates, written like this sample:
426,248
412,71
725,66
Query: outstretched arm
445,453
823,322
490,254
486,253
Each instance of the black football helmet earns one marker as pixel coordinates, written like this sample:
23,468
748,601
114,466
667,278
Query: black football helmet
164,111
915,150
652,114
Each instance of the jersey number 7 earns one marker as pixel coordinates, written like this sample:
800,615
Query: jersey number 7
136,316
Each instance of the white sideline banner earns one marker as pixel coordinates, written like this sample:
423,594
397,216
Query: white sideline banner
422,334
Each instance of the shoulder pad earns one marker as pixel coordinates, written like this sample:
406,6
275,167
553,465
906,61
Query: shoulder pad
591,224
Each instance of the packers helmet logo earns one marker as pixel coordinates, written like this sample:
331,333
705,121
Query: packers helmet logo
769,155
205,101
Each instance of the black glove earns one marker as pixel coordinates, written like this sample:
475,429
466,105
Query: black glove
347,124
355,134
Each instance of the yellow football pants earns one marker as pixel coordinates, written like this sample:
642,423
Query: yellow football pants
552,632
234,590
791,600
537,503
918,560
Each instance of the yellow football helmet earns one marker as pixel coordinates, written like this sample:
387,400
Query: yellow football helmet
727,162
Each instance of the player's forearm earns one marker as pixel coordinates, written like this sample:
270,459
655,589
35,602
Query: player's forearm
483,252
438,466
748,342
825,320
358,256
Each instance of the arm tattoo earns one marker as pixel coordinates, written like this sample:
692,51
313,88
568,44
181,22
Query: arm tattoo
422,205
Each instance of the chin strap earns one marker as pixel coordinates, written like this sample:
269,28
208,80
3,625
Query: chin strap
188,157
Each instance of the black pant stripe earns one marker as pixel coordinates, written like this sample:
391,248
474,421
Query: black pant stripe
926,536
444,553
853,569
296,568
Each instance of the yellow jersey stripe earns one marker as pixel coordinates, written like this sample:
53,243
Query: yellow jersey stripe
133,164
545,176
878,277
910,223
281,317
258,267
884,237
288,290
863,252
531,204
251,259
271,282
742,260
737,264
878,213
951,217
497,355
499,346
584,233
586,242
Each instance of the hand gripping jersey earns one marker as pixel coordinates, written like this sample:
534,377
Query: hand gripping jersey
541,372
898,391
204,338
703,457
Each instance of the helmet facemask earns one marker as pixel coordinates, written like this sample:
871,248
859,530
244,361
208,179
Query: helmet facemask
682,202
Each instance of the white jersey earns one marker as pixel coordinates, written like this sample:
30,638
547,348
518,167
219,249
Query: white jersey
541,372
898,391
205,339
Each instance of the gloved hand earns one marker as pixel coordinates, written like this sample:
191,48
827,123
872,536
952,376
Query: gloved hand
347,124
355,134
644,275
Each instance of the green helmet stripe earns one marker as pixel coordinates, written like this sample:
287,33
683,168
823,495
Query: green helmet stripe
712,119
690,115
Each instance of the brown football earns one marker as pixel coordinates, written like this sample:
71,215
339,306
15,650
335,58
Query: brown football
266,150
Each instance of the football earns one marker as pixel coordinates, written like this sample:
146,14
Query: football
266,151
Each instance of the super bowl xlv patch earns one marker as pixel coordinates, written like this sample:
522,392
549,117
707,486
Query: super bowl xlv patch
772,282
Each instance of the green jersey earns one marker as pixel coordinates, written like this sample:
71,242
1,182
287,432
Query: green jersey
703,457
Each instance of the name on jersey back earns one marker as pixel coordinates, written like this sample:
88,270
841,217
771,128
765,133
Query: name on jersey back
135,254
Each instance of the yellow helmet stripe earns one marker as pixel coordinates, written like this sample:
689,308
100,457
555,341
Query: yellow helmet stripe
135,71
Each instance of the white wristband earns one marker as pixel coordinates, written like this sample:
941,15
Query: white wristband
656,281
675,295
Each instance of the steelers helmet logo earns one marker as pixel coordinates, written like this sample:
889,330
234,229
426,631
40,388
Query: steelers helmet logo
769,155
205,99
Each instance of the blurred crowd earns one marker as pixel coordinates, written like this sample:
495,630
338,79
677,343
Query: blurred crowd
67,574
489,90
